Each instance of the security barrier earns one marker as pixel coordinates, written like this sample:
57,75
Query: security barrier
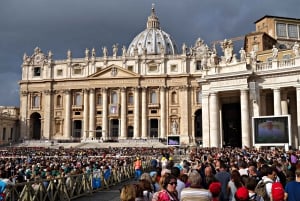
72,186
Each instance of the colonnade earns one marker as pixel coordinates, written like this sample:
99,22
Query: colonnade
212,131
140,123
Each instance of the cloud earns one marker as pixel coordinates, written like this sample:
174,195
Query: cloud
59,25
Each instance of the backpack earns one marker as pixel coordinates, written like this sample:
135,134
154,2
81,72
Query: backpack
254,197
277,191
261,190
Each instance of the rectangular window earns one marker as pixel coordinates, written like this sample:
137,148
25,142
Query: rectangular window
152,68
130,68
99,112
77,71
37,71
59,72
174,68
35,101
292,30
153,111
281,30
130,99
99,99
198,65
130,112
4,134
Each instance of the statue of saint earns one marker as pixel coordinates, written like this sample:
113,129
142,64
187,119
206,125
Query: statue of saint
184,48
93,52
296,49
104,49
87,52
174,127
124,50
242,54
115,50
69,54
274,52
253,55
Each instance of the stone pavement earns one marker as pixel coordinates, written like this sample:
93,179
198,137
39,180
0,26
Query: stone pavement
112,194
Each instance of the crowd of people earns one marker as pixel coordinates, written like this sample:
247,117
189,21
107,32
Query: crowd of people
177,174
213,174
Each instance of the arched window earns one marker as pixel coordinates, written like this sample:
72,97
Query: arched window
114,97
153,97
58,101
77,99
199,97
130,99
35,101
174,97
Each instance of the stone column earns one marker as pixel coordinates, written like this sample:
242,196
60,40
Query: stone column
205,120
215,120
263,106
85,113
105,115
24,107
123,113
162,112
284,103
144,113
48,108
277,103
92,114
136,131
67,120
298,114
185,117
245,120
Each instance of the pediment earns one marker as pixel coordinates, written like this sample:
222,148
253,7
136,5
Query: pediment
114,71
153,62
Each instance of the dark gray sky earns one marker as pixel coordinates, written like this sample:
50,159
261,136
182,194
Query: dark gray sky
59,25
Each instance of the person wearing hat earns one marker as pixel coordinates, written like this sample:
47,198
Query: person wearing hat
242,194
292,192
215,189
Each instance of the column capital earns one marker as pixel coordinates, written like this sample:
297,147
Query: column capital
24,93
244,90
123,89
86,90
92,90
67,91
48,92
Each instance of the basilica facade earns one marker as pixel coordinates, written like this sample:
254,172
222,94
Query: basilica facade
153,89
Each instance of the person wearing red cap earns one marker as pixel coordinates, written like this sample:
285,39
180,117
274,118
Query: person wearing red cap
242,194
215,189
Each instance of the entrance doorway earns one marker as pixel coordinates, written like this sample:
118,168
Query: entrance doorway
35,126
77,125
198,126
231,119
153,128
130,132
114,131
98,132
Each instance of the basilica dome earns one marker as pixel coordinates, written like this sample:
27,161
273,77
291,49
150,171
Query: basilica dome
152,40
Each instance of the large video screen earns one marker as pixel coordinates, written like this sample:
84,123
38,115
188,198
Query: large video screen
271,130
174,140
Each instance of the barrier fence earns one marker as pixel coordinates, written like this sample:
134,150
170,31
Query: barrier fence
71,187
